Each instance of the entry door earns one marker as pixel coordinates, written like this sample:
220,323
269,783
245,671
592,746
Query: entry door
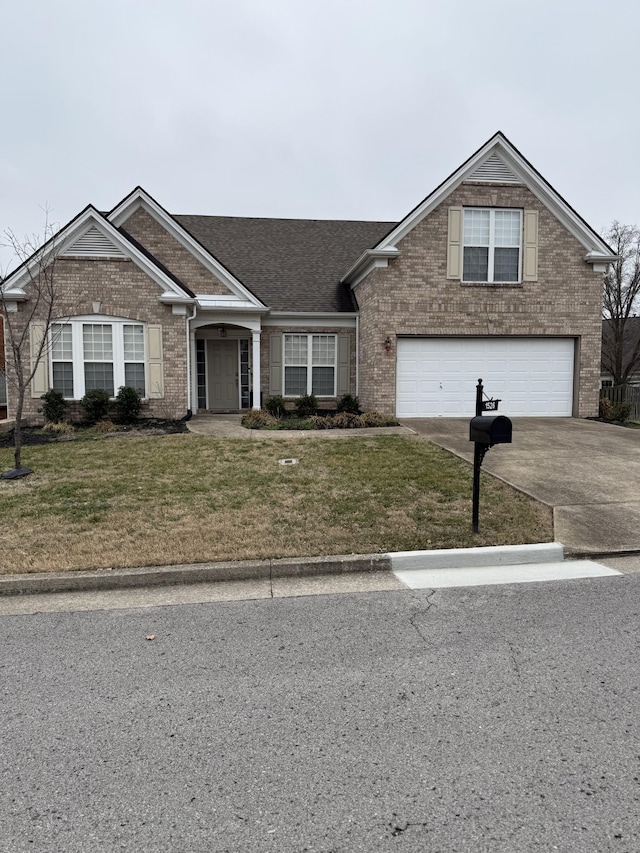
222,357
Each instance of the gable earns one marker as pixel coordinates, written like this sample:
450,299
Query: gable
496,163
178,249
150,234
91,236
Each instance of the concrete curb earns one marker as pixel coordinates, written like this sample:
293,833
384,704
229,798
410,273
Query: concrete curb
465,558
106,579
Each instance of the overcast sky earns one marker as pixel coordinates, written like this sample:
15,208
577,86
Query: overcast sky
346,109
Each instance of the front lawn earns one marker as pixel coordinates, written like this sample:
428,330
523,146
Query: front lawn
153,500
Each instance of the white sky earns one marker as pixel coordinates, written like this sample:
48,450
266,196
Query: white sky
351,109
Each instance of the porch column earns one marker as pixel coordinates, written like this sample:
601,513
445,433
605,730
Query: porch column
256,369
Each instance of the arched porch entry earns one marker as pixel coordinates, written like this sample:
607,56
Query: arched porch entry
226,367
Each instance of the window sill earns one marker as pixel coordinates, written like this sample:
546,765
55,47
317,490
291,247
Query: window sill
497,284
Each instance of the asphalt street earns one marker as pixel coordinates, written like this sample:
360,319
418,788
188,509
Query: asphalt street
500,718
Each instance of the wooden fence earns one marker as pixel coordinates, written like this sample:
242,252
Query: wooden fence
624,394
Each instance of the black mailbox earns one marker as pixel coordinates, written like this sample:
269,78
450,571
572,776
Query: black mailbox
491,429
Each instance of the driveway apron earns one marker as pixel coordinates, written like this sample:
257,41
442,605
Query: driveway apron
588,472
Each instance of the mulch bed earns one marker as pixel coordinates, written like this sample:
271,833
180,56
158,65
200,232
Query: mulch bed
32,436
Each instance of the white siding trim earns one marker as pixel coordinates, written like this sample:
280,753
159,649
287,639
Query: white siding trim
93,244
494,170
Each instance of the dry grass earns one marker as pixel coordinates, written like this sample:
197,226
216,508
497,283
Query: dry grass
186,498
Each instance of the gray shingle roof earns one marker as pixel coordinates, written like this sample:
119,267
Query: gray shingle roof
289,264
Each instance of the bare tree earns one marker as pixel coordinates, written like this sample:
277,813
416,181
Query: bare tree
621,340
24,351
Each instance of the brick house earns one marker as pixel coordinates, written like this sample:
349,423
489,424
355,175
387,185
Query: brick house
492,275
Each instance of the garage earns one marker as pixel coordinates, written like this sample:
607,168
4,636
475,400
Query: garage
437,377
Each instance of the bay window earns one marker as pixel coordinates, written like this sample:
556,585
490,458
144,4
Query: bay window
309,365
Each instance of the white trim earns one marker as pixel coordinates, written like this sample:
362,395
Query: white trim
598,251
140,199
92,244
255,369
491,246
245,321
217,303
67,236
369,260
77,351
326,315
310,365
312,321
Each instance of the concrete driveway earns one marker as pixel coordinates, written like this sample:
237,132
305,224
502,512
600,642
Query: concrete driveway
587,471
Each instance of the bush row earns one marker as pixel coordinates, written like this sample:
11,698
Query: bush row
96,406
261,419
307,406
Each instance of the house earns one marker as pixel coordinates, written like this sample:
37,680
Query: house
492,275
630,345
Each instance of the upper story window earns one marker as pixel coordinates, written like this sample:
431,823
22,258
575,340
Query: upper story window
492,242
310,365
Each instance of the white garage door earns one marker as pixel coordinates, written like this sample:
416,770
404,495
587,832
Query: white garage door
437,377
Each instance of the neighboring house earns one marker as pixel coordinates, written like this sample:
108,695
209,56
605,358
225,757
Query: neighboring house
493,275
632,333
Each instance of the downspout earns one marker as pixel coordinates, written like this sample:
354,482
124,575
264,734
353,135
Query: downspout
357,353
187,322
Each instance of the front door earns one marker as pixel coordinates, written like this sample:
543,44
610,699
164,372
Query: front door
222,357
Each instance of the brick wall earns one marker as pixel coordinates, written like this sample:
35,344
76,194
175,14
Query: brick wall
144,228
123,291
267,331
413,296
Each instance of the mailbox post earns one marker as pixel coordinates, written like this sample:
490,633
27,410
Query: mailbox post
485,432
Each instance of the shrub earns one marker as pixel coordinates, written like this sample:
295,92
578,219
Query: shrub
620,412
59,428
54,407
128,404
105,425
321,421
346,420
375,419
275,406
611,411
348,403
259,419
307,405
605,408
95,404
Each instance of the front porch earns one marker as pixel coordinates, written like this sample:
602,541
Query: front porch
226,367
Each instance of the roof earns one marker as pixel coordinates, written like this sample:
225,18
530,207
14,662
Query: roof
290,264
514,167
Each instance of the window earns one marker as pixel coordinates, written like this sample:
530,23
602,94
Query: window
491,241
97,343
310,365
62,359
97,355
